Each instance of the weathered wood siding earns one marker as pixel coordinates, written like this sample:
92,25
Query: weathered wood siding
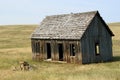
55,52
85,48
96,33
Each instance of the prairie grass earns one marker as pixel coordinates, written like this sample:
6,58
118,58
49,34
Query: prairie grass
15,46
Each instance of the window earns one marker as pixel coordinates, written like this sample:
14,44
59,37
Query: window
33,47
97,49
36,47
72,50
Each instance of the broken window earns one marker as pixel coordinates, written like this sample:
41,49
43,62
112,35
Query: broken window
97,49
72,50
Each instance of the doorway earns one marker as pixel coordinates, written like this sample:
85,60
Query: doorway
48,50
60,50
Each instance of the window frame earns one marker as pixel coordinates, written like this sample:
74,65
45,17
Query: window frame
36,47
97,49
72,49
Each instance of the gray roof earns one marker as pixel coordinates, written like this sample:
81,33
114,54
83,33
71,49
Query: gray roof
65,26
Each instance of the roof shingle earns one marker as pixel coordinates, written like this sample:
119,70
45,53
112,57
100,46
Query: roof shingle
66,26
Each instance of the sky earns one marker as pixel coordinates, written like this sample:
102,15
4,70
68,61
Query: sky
14,12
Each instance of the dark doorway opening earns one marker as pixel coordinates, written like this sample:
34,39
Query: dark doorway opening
48,50
60,50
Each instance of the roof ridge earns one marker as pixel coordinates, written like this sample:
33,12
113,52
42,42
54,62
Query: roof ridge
74,13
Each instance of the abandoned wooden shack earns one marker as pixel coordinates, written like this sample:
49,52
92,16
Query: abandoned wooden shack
74,38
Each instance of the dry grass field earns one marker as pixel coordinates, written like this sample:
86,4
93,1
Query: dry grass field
15,46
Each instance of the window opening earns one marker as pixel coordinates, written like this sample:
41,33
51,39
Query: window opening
72,50
97,49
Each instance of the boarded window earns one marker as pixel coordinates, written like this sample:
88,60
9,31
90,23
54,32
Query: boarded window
33,47
72,50
97,49
36,47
